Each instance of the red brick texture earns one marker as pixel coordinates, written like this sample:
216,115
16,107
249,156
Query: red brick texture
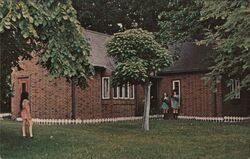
51,98
140,99
88,101
235,107
196,97
116,107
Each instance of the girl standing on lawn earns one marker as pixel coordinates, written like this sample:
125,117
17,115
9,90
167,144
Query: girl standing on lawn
165,104
175,103
26,117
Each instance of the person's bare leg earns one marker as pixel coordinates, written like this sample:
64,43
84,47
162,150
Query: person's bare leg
23,128
166,112
174,113
30,128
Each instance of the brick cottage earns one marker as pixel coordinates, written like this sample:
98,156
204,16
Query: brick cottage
53,98
197,99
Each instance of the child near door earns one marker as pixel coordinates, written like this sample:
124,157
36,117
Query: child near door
165,105
175,103
26,117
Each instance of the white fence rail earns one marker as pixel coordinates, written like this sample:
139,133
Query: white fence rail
216,119
87,121
2,115
230,119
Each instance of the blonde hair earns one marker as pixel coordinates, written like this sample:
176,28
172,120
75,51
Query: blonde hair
25,101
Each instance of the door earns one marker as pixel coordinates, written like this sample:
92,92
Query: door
155,97
24,89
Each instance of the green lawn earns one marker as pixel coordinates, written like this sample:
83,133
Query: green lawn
166,139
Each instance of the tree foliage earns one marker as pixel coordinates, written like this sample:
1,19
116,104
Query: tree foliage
230,38
180,23
55,31
221,24
51,29
137,55
111,16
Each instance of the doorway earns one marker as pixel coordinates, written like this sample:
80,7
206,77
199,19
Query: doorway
154,97
23,89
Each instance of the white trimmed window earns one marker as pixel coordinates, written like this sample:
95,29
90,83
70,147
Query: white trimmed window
132,91
177,87
126,91
115,93
121,92
235,88
105,87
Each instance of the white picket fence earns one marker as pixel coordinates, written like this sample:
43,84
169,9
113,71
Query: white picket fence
120,119
2,115
216,119
88,121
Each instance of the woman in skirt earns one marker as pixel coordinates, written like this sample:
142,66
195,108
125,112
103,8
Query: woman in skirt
175,103
165,104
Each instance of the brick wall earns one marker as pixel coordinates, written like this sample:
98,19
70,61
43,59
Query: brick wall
235,107
140,99
219,99
196,96
52,98
89,100
118,108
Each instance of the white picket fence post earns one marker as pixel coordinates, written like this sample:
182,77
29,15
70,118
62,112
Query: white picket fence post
216,119
135,118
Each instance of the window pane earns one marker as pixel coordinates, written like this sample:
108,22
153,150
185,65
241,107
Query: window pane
232,85
120,92
23,87
105,87
176,87
115,92
235,88
126,87
131,91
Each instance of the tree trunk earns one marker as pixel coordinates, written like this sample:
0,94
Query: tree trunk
147,88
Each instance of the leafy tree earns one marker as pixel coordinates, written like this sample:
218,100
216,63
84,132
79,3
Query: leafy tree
51,29
111,16
230,39
138,56
221,24
180,23
9,54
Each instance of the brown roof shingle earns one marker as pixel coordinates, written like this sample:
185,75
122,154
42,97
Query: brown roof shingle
98,52
192,58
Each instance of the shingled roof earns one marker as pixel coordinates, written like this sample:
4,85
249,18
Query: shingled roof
192,58
98,52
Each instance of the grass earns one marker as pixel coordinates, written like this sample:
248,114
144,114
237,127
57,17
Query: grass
166,139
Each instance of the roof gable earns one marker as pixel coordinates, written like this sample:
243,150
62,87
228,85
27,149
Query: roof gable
192,58
98,52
